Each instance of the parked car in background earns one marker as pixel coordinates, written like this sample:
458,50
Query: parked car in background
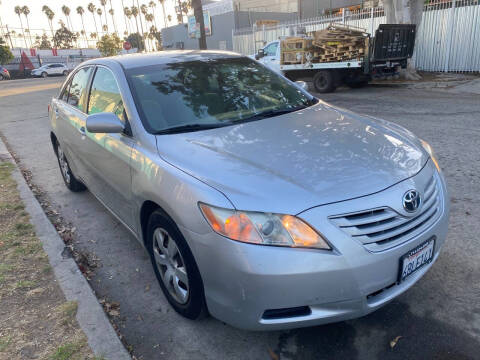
50,70
257,202
4,74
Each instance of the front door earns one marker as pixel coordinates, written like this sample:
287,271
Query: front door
108,155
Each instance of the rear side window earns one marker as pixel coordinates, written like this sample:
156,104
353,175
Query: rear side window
78,88
64,94
105,95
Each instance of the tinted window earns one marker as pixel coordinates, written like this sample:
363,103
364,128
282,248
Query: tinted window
105,95
78,88
271,50
215,92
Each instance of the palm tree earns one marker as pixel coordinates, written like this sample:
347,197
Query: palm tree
26,12
111,12
127,13
169,17
149,18
140,18
104,4
125,17
19,12
135,14
1,24
152,6
66,12
50,15
99,13
162,3
93,35
80,12
92,8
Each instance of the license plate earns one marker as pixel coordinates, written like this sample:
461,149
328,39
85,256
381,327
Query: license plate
416,258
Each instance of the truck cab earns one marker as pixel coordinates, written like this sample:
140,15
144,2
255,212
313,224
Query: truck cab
269,55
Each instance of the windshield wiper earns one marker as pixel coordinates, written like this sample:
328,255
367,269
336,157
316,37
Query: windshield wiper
189,128
271,113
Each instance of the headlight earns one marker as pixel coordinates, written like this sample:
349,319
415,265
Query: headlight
263,228
429,150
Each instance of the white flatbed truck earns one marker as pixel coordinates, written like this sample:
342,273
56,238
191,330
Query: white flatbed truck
389,50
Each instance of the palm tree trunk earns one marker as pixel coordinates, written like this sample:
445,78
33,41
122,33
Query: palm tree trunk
124,17
84,32
105,12
23,32
140,16
164,15
29,33
95,22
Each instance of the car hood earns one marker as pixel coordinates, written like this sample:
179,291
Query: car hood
296,161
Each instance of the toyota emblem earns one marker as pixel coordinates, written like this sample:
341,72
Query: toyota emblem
411,201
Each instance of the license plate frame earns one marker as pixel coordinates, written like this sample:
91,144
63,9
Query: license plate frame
423,249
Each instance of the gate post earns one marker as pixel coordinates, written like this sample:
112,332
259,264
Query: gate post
451,24
371,22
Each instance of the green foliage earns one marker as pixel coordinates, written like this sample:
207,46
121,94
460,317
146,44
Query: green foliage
136,40
109,45
5,54
42,43
64,38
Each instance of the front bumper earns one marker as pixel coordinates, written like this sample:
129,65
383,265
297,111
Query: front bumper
243,281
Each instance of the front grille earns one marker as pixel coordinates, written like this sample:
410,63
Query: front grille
382,228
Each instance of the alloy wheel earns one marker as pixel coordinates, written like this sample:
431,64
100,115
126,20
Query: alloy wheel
170,265
63,165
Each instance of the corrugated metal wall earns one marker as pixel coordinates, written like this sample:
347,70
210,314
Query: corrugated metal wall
448,38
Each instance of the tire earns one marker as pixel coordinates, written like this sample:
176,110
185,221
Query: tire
72,183
44,74
173,263
1,77
65,73
324,81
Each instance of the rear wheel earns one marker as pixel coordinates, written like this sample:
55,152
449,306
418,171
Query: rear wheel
1,77
65,73
324,81
72,183
174,266
44,74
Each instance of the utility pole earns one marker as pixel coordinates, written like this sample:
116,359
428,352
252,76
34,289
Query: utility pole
198,12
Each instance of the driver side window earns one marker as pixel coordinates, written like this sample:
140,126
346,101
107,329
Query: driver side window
105,95
271,50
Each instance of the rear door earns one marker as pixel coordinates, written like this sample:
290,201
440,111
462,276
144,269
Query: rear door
71,115
108,155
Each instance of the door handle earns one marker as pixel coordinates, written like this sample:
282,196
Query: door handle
82,131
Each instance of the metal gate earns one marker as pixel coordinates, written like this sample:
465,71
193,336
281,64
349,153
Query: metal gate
448,38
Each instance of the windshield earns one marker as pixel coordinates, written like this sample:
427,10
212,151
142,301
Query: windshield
199,94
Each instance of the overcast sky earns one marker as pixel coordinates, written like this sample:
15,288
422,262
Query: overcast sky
38,20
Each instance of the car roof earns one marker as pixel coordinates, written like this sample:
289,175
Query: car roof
130,61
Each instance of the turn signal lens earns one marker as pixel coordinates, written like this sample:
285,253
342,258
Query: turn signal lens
262,228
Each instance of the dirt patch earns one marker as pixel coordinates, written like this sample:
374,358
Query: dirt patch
35,320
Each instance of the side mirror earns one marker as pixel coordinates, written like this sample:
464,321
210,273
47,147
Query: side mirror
302,85
260,54
104,122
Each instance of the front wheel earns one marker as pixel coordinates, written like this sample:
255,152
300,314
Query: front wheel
174,266
65,73
72,183
324,81
44,74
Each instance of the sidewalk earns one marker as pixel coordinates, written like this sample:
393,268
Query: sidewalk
47,308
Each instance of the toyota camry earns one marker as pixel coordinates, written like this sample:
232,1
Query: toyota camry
257,202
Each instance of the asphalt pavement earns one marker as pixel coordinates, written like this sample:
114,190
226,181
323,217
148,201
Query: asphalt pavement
438,318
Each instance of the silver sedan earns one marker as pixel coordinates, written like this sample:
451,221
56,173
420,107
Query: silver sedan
258,203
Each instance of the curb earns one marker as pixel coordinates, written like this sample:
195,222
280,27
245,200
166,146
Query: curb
101,336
